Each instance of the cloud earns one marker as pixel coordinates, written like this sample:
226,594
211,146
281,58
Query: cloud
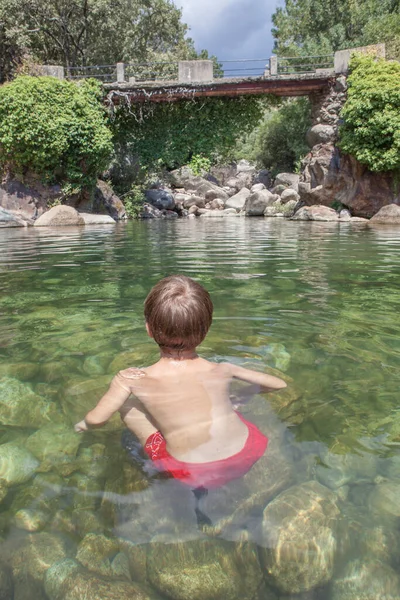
231,28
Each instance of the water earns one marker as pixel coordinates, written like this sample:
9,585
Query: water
316,302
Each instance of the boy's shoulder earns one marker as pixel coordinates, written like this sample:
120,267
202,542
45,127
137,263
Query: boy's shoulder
131,373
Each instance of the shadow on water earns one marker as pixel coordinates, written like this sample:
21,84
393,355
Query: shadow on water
317,517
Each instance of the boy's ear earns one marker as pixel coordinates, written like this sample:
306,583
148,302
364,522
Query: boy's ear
149,332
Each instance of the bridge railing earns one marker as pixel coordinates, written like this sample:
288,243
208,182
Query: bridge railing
291,65
152,71
105,73
243,67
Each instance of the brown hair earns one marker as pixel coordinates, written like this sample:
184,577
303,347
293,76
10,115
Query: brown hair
178,311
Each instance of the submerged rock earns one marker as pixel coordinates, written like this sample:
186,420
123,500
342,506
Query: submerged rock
82,396
21,407
316,213
95,552
385,498
55,446
6,583
17,464
298,538
366,579
31,519
67,580
204,570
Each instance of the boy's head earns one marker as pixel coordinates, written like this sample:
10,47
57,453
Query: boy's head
178,313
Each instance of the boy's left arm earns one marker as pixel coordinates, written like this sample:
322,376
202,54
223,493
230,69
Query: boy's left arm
111,402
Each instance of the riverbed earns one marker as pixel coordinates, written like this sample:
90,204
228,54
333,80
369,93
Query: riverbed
318,517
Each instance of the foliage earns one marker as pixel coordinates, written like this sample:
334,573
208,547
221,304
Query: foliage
199,164
279,143
309,27
168,135
54,128
371,130
133,201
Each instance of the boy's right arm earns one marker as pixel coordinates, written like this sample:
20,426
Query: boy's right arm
266,383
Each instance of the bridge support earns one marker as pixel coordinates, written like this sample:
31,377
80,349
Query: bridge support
120,72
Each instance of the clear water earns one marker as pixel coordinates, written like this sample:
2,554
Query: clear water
316,302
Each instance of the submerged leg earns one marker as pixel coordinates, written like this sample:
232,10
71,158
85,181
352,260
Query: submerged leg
202,519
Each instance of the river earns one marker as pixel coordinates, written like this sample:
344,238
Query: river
317,302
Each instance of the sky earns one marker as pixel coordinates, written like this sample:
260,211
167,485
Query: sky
231,29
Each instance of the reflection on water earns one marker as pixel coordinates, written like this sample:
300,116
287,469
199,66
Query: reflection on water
316,518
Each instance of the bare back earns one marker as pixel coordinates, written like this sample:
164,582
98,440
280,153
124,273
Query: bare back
189,403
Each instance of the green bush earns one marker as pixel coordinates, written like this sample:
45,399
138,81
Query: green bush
371,129
54,128
199,164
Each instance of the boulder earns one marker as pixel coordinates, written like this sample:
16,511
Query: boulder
389,215
68,580
238,200
288,195
60,216
150,212
29,199
178,177
105,200
21,407
316,213
204,570
235,183
263,176
278,189
54,446
31,519
321,134
8,219
161,199
298,540
17,464
345,215
257,187
385,498
366,579
277,209
93,219
194,201
244,166
95,552
288,180
82,395
256,203
227,212
6,583
223,173
216,194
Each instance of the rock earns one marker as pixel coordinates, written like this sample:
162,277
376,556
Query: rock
95,552
235,183
150,212
169,214
385,498
23,371
227,212
256,203
178,177
288,180
366,579
263,176
336,470
243,166
204,570
341,84
92,219
31,519
316,213
181,198
17,464
278,189
21,407
6,583
217,193
67,580
298,541
82,396
289,195
359,220
238,200
194,201
216,204
330,176
106,200
55,446
160,199
321,134
257,187
29,199
37,553
223,173
8,219
345,215
193,210
41,495
389,214
59,216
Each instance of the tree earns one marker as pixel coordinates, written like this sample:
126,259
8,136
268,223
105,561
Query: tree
90,32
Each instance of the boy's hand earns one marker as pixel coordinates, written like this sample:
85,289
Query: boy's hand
81,426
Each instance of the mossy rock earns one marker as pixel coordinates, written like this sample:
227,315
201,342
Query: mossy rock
23,371
55,446
366,579
21,407
82,395
96,552
204,570
88,491
37,553
17,464
31,519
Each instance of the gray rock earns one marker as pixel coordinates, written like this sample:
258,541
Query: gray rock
288,180
160,199
216,193
366,579
278,189
244,166
238,200
280,209
288,195
106,200
150,212
236,183
389,215
60,216
257,187
204,570
263,176
182,198
178,177
321,134
341,84
8,219
345,215
227,212
256,203
194,201
316,213
28,200
298,540
93,219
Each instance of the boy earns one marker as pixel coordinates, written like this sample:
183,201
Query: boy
179,408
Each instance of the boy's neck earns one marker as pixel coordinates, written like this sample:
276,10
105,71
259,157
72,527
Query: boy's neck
172,354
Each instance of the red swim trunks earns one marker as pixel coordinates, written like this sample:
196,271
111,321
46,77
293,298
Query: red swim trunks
212,474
